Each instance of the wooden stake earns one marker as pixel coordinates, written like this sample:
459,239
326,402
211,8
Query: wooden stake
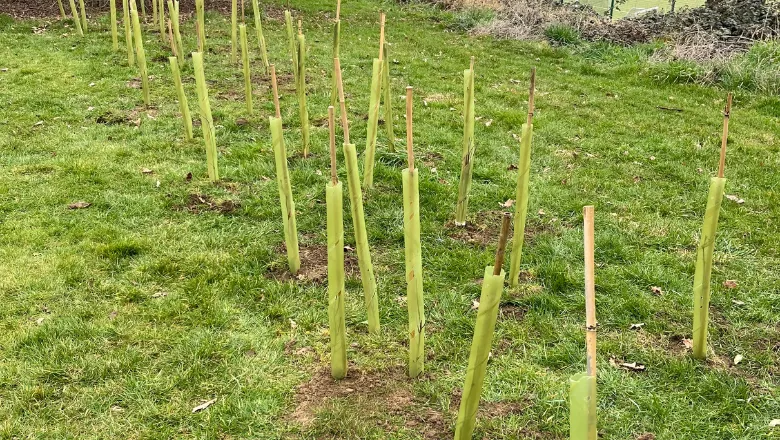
243,15
409,139
724,139
170,37
332,129
300,27
338,9
381,35
342,104
471,66
275,89
505,222
590,289
529,119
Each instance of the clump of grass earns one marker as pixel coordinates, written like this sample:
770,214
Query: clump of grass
470,18
562,34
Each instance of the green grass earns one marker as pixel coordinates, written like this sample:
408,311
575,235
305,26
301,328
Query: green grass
119,318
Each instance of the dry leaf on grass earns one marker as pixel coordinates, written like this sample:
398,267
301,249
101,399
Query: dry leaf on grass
687,343
730,284
735,199
474,304
774,423
203,406
146,171
637,326
160,294
507,204
738,302
656,290
738,358
630,366
79,205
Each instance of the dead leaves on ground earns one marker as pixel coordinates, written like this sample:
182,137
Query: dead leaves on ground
203,406
628,366
79,205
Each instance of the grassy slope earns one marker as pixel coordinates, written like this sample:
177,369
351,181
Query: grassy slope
86,351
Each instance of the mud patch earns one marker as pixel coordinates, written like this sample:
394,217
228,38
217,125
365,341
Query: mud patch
490,410
199,203
377,394
512,311
314,264
482,231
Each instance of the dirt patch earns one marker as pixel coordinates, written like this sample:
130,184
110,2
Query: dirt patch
377,394
482,231
512,311
432,158
284,80
199,203
646,436
314,264
490,410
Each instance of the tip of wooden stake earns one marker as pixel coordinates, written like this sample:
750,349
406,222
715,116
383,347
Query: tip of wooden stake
531,92
471,65
275,90
338,9
506,220
332,132
725,137
409,128
300,27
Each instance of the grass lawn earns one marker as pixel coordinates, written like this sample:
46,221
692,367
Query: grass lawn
118,319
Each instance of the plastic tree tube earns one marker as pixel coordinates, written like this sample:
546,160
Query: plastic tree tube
523,178
260,36
154,10
291,46
128,32
467,161
582,386
358,219
76,19
62,10
114,36
706,248
489,301
173,7
83,16
143,9
413,252
139,50
206,122
335,207
234,31
373,109
200,11
183,106
245,62
283,178
373,120
300,90
388,98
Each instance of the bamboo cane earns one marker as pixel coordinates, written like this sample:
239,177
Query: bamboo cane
233,31
112,17
523,178
291,45
300,90
206,121
143,9
245,62
414,285
582,386
161,17
62,10
358,218
336,320
76,19
183,106
283,178
467,161
83,16
706,248
128,32
139,50
200,11
388,98
334,92
260,36
154,10
489,301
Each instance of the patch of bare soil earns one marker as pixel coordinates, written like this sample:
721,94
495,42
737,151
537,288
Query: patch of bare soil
377,394
314,264
482,231
490,410
199,203
646,436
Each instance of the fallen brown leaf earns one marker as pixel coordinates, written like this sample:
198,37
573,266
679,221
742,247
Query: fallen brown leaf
203,406
79,205
656,290
687,343
637,326
735,199
507,204
730,284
